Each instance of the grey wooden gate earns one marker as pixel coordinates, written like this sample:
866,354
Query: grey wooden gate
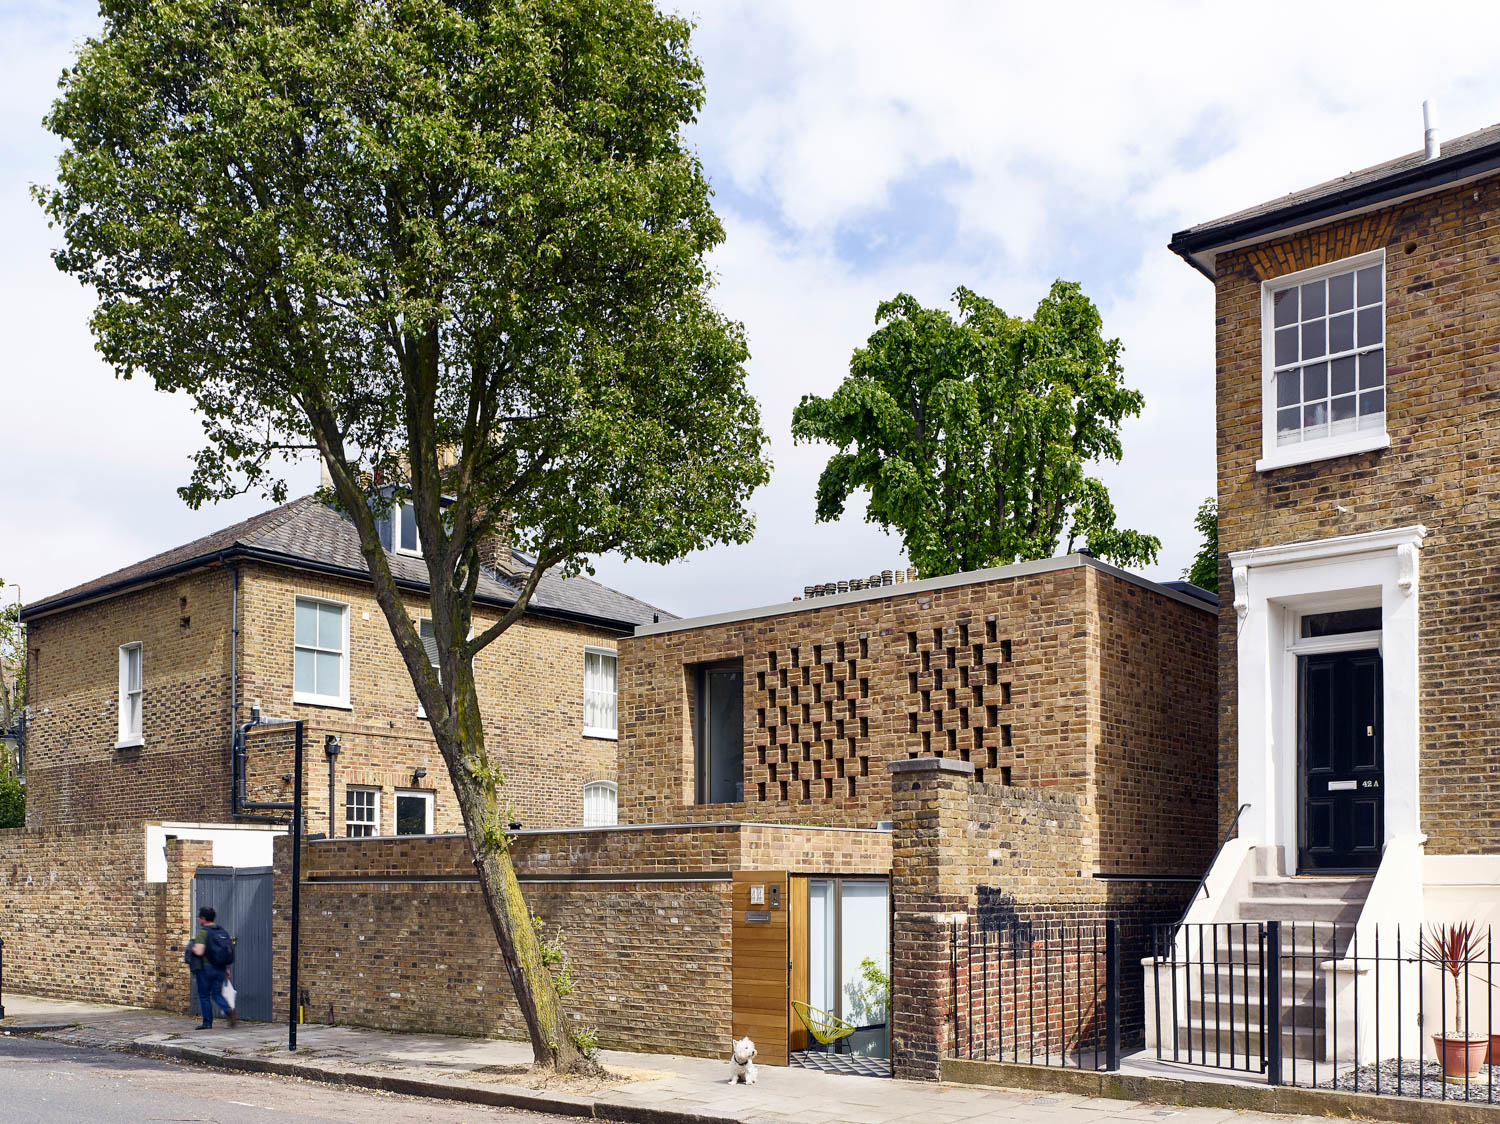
241,896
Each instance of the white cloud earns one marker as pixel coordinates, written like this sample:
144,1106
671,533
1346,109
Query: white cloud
1024,142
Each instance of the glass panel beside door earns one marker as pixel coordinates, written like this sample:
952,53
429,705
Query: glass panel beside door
848,958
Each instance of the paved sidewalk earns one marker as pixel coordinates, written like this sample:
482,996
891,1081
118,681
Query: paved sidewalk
653,1087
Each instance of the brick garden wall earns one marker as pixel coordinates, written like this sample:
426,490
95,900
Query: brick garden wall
80,921
1442,469
971,862
395,933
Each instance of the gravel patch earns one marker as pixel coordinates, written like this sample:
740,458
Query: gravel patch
1419,1079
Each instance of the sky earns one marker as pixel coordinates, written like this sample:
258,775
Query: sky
857,149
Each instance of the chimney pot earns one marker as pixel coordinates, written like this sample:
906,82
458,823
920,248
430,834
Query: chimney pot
1431,142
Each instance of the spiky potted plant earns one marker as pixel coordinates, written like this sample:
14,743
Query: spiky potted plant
1452,948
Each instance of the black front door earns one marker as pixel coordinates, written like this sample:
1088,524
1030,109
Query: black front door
1343,800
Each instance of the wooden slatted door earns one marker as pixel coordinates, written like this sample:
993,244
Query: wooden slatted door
761,962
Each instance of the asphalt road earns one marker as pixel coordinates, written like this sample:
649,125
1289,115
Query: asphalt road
49,1083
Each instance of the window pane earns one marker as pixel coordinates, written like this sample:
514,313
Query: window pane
1341,333
1343,375
1341,292
331,627
411,815
307,622
1314,420
302,672
1314,381
133,714
408,527
1312,300
1289,388
133,669
1340,623
822,987
1369,285
329,677
1286,346
1343,408
1371,369
1288,425
1313,342
1372,402
1285,305
1369,326
428,634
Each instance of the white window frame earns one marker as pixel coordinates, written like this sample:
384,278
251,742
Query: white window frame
373,825
610,733
130,738
421,710
425,794
307,698
1322,448
601,788
398,513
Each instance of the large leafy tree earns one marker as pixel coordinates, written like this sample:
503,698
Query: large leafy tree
974,435
457,246
1204,571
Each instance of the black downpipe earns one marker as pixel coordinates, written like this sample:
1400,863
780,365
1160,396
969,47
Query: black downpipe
237,801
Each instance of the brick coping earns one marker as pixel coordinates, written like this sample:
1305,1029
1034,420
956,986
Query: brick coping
676,825
928,585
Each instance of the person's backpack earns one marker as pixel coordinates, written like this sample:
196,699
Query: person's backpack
218,949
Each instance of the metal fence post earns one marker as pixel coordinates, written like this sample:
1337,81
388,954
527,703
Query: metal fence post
2,979
1270,972
296,827
1112,996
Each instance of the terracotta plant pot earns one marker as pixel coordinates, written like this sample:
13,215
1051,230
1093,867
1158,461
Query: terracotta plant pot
1494,1058
1461,1057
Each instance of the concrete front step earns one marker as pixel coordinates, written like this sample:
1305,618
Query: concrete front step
1312,886
1301,1042
1322,911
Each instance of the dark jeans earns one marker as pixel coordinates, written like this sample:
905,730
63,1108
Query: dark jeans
210,980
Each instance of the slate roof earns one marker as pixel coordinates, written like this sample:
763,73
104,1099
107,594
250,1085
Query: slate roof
1461,158
307,532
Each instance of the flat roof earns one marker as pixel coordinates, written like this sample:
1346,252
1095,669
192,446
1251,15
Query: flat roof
1204,601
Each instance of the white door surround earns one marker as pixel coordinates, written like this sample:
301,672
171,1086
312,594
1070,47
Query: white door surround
1273,587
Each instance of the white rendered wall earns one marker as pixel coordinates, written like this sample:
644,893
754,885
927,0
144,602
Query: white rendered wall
234,844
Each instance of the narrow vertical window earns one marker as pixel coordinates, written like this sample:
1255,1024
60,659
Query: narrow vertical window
600,804
132,695
599,694
428,636
407,541
320,672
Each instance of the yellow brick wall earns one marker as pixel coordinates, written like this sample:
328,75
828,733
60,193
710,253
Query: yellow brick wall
1442,469
530,686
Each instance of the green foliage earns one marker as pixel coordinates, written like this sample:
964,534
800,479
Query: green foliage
12,800
555,957
870,994
12,664
972,436
587,1041
1204,572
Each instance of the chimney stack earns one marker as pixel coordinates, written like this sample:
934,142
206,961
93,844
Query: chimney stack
1430,139
495,550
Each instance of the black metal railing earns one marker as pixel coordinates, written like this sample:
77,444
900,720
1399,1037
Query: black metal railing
2,979
1329,1005
1037,994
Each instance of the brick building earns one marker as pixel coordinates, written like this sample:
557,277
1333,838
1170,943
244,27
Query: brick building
142,680
1358,474
1039,738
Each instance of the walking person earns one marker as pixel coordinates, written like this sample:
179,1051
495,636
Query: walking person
209,955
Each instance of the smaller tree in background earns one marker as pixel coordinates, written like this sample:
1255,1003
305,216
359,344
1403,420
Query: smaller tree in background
1204,572
12,662
973,436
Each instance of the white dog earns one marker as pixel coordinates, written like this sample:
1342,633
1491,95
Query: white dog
742,1062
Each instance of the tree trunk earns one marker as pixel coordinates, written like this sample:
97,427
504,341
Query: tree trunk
476,784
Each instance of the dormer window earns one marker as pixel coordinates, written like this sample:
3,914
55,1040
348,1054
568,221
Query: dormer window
407,541
1323,333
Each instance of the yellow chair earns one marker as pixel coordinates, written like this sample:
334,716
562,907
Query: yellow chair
824,1027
